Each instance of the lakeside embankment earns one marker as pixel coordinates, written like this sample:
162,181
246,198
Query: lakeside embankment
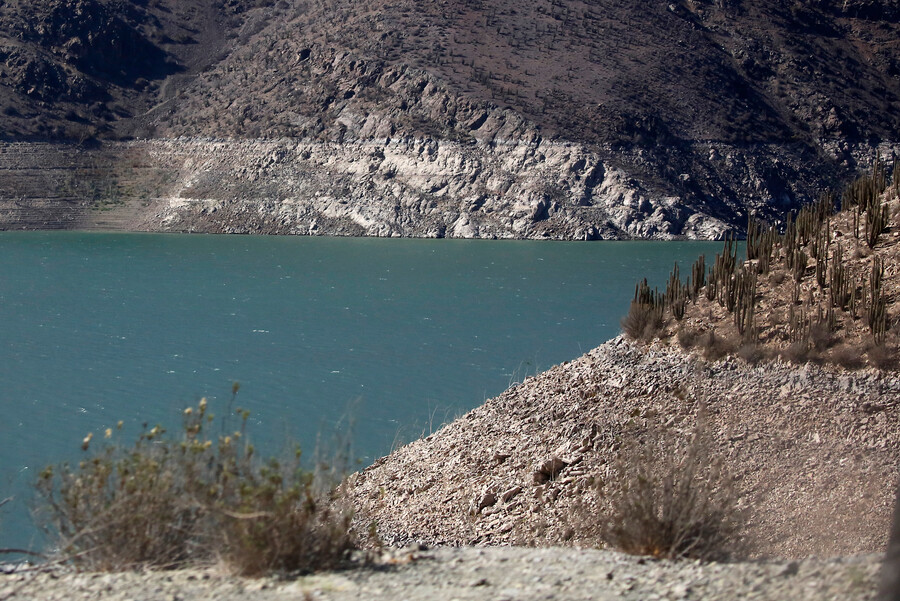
814,449
388,187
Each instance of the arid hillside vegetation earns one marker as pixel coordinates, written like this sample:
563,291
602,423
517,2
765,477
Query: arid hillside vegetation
825,287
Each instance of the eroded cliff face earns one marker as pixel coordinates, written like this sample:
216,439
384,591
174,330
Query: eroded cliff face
406,155
411,187
392,187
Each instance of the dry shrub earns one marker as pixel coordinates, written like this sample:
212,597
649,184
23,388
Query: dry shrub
801,353
847,356
166,502
821,337
686,338
715,347
125,508
284,529
752,353
670,498
881,356
643,322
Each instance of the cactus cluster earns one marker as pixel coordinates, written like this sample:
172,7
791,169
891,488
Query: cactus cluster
645,316
864,196
806,245
745,302
895,176
676,294
760,244
647,312
876,313
651,299
732,283
840,291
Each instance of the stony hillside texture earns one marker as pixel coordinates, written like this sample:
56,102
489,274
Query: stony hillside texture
80,69
801,406
814,449
683,115
424,187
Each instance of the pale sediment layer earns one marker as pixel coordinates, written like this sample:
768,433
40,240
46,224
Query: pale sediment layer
391,188
522,188
815,451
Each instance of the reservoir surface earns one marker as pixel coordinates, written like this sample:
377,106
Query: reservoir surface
393,337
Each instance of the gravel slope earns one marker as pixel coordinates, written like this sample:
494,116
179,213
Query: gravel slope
815,451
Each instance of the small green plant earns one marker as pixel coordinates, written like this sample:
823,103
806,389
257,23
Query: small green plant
169,501
672,499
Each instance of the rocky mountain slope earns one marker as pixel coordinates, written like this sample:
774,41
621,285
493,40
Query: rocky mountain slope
704,109
79,69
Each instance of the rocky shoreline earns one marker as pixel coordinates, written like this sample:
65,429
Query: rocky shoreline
390,187
530,188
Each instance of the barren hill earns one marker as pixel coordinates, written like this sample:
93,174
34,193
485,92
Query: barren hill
705,109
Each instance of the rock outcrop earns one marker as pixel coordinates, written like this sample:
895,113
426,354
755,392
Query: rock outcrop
412,187
409,187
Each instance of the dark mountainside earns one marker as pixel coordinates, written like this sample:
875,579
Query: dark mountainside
712,108
78,69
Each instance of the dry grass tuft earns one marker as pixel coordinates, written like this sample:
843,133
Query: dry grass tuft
167,502
686,338
752,353
284,529
643,321
847,357
672,499
881,356
800,353
715,347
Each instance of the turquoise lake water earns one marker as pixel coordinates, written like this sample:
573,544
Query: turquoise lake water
399,335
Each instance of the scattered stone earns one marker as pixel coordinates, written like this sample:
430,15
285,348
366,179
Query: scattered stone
510,493
499,458
488,499
549,470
